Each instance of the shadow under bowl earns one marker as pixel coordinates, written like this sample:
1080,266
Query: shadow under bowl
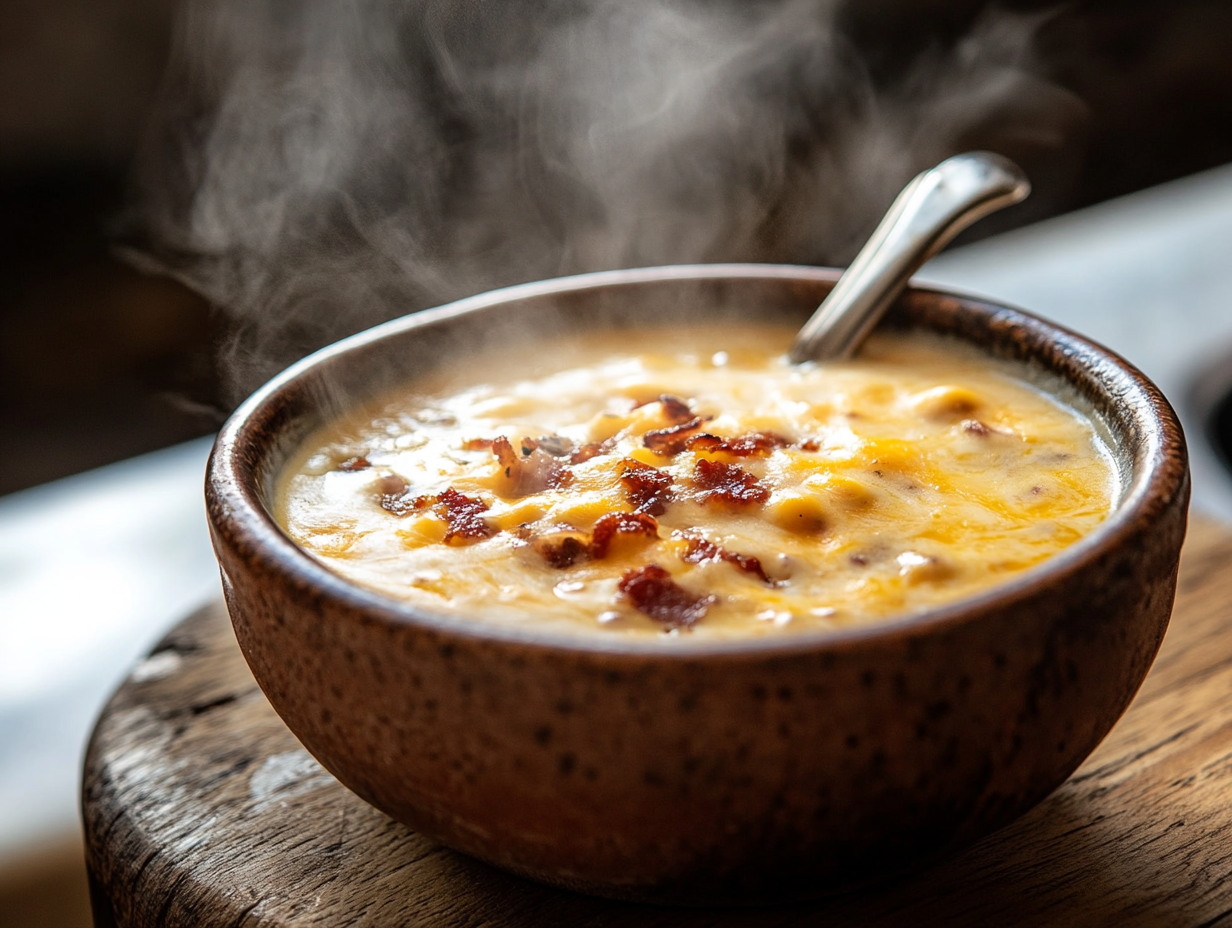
691,771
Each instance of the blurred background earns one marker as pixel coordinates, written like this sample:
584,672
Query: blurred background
100,361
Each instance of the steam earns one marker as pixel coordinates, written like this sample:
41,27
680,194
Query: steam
322,165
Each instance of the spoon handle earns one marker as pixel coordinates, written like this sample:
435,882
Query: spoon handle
931,210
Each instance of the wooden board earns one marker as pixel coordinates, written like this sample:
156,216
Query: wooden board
200,808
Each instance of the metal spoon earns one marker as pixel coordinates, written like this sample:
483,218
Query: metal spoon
931,210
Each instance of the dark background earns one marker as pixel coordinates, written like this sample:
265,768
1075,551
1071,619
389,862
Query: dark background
99,362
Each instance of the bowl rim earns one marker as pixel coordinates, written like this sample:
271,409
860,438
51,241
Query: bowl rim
235,509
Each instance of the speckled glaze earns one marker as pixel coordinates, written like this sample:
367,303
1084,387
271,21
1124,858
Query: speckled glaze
687,772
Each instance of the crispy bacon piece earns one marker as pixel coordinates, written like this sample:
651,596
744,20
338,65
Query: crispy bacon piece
393,497
647,488
704,442
565,546
728,483
653,592
700,550
532,472
561,548
350,465
620,523
401,505
556,445
672,439
592,449
505,455
477,444
464,515
675,409
753,445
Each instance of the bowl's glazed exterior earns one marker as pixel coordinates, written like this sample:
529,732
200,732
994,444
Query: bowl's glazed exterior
679,771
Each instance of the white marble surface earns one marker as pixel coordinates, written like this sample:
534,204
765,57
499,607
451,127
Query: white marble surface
94,568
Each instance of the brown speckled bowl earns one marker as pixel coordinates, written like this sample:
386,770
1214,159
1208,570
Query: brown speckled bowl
685,770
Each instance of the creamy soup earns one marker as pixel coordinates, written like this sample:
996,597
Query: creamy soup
700,484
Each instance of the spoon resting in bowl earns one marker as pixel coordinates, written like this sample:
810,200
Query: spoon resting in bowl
925,217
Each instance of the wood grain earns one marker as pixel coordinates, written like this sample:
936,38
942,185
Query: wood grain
200,808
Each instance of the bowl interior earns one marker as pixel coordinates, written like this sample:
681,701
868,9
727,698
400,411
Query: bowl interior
1136,421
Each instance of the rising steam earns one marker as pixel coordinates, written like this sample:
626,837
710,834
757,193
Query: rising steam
318,166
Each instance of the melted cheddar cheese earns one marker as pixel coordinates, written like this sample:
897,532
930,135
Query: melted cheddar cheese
710,489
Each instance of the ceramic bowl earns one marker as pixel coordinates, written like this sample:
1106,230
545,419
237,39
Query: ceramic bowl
692,771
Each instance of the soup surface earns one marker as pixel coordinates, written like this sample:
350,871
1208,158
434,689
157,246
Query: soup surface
697,483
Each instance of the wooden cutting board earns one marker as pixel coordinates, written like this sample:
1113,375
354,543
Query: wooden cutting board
201,808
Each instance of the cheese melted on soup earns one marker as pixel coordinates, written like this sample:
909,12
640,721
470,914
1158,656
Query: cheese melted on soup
713,489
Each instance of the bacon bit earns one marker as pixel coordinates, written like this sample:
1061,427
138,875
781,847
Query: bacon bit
350,465
700,550
755,444
564,546
592,449
976,427
652,592
671,440
674,408
809,444
704,441
537,472
561,548
620,523
477,444
556,445
392,495
648,488
401,505
504,455
464,515
728,482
